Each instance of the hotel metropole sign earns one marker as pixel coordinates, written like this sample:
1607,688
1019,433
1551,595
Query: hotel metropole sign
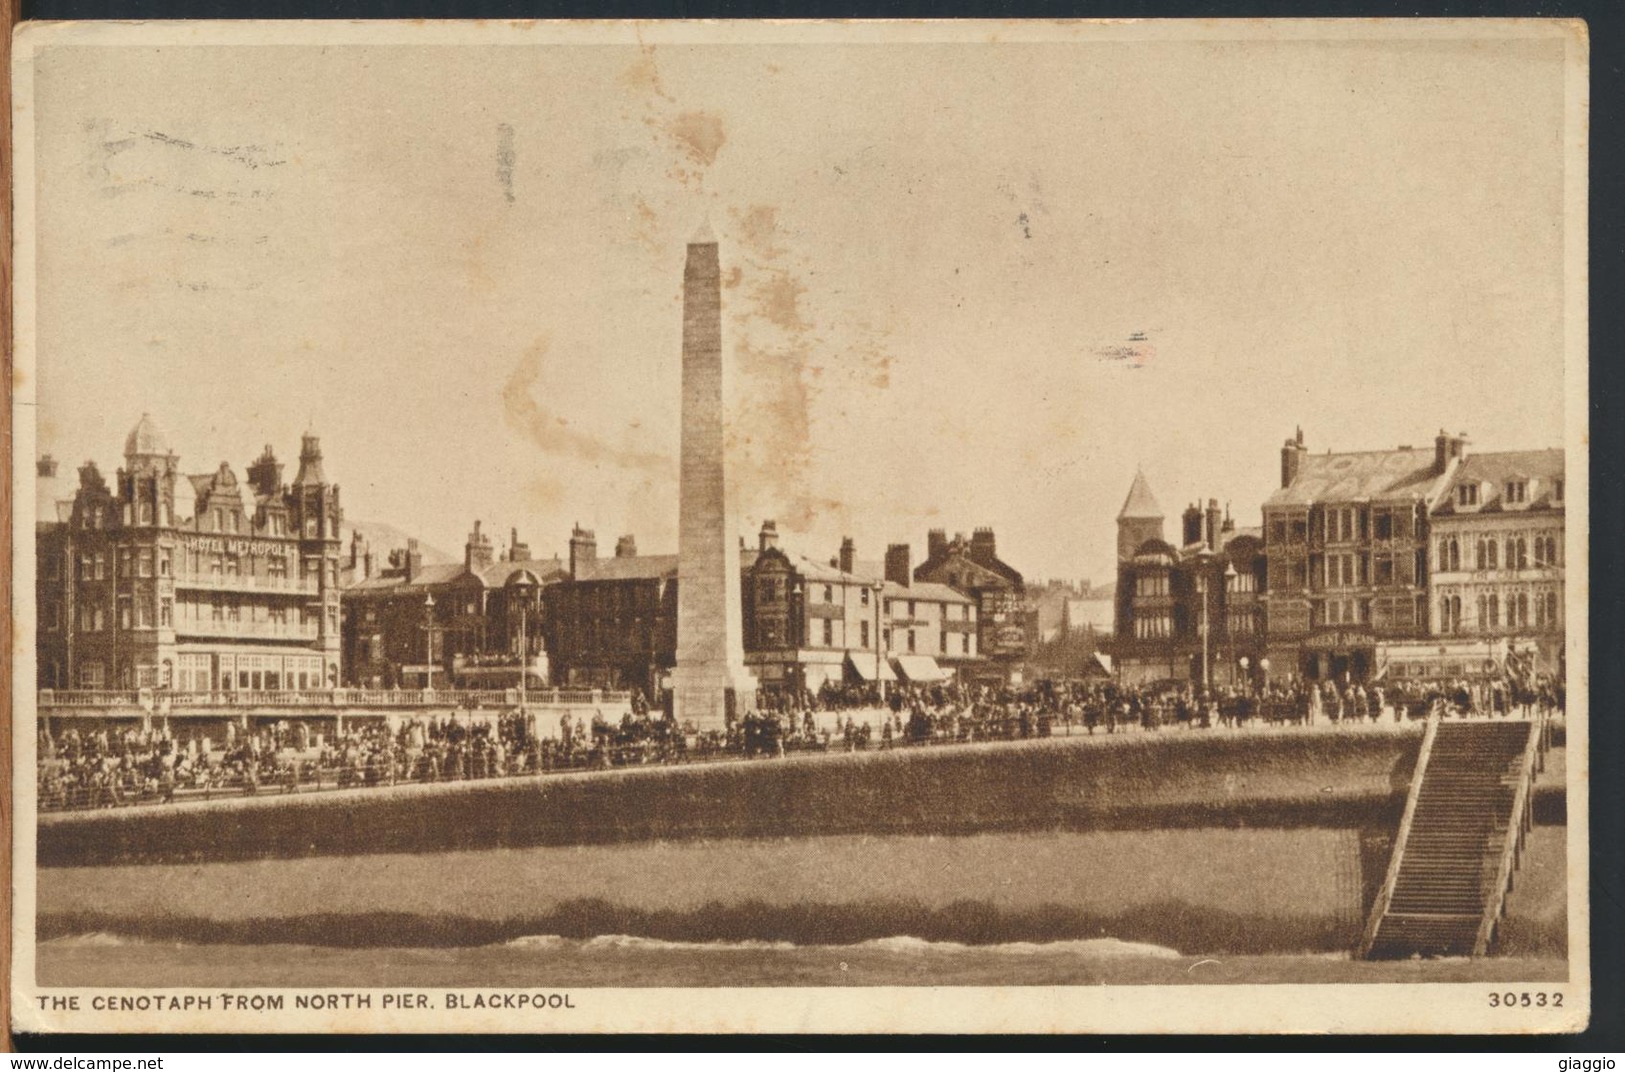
1340,639
233,546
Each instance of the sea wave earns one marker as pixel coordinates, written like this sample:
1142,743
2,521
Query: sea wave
897,944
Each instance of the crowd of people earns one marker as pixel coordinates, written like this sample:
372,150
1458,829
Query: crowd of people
109,767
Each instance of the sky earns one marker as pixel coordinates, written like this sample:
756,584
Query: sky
967,283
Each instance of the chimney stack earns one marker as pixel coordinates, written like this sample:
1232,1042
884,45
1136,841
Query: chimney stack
414,560
477,552
768,538
1191,530
1211,530
517,552
1292,452
849,555
936,543
583,552
1446,449
983,550
897,564
47,466
626,546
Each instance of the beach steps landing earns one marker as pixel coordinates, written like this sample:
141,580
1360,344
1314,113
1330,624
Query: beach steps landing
1450,867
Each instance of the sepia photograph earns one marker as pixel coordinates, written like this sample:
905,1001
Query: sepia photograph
801,526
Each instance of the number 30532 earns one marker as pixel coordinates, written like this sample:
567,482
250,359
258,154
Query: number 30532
1526,999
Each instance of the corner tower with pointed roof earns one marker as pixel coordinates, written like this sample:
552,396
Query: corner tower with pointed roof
1139,520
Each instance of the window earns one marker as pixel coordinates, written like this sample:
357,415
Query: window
1246,582
964,643
1151,584
49,618
1467,495
911,640
1278,532
143,614
1384,569
101,566
143,563
1382,523
166,613
829,594
1300,530
90,675
863,634
942,642
233,565
146,513
829,633
863,600
1494,547
1517,491
124,612
1522,561
911,612
163,562
1557,491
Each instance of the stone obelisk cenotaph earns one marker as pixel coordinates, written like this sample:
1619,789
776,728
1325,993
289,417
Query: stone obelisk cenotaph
710,685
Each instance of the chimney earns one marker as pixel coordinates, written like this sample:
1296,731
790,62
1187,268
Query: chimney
414,561
768,538
583,552
517,552
1229,523
936,543
626,546
1446,449
1292,452
849,554
265,474
47,466
1211,533
477,552
982,548
355,548
366,563
897,564
1191,530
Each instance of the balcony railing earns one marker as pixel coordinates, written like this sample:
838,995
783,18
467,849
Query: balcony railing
225,582
255,630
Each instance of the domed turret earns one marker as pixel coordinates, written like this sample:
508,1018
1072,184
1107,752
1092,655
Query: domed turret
145,440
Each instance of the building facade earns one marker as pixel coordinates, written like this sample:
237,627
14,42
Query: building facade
1346,536
998,591
236,591
475,624
1192,613
1497,557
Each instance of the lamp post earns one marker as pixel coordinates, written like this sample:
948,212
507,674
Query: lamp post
1229,583
428,641
522,588
880,682
1204,559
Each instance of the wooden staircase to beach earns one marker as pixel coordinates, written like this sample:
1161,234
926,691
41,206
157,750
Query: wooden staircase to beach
1459,841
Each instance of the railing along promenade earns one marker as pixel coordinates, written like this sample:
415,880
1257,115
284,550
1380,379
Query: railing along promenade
314,702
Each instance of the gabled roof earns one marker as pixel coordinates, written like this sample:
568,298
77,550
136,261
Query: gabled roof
1140,504
543,570
427,577
630,568
1541,468
1361,476
925,592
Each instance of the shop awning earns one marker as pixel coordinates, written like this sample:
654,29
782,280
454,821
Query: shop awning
921,669
864,666
1104,661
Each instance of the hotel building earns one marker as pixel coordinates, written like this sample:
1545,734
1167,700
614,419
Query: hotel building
235,590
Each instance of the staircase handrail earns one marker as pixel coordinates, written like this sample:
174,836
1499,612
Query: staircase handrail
1385,894
1514,839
